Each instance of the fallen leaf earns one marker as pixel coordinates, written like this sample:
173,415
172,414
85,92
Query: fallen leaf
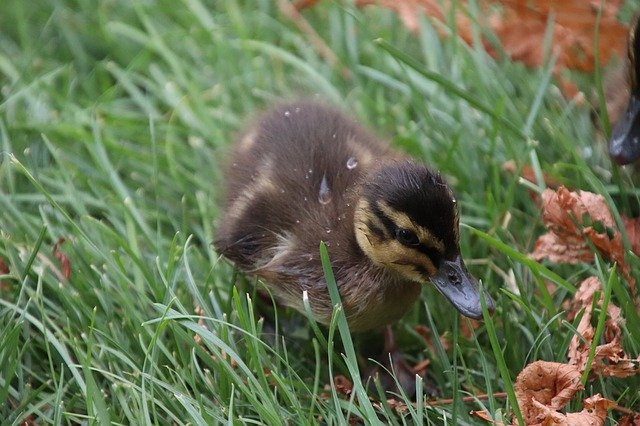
593,414
575,219
632,226
610,359
550,384
583,297
343,385
630,420
484,415
4,270
522,27
65,264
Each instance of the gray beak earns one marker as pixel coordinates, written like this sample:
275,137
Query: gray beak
457,285
624,146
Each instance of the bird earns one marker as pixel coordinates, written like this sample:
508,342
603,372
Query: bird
623,88
303,172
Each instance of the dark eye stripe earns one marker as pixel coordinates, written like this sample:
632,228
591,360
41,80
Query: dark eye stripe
376,230
388,223
433,254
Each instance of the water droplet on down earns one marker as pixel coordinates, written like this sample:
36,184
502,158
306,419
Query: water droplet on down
352,162
324,196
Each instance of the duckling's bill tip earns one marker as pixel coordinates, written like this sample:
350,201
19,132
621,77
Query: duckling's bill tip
461,289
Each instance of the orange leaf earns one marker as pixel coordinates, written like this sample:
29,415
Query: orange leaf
574,219
549,384
632,226
343,385
64,260
521,27
610,358
484,415
4,270
630,420
594,413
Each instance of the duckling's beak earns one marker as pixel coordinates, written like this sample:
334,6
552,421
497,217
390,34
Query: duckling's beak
624,146
457,285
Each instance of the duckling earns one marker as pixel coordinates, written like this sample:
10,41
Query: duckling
624,88
305,173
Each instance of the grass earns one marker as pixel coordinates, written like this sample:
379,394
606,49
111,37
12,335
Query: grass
114,120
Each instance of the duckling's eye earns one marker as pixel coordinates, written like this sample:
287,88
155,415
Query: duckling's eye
407,237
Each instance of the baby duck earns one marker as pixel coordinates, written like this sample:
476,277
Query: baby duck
624,145
305,173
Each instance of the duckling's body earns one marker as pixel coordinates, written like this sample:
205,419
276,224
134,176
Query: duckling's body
304,173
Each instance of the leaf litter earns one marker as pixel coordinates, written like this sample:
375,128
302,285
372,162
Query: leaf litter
521,27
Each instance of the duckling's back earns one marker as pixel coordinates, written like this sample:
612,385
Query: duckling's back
290,183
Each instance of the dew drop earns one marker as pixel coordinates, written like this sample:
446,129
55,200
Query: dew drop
287,113
297,220
324,196
297,110
328,231
333,136
352,162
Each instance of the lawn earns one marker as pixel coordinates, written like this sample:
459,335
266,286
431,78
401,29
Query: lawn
115,117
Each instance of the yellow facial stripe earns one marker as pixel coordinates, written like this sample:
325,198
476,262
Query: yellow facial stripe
386,250
364,215
402,220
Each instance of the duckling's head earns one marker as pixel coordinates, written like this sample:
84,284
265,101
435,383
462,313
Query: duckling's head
624,146
406,221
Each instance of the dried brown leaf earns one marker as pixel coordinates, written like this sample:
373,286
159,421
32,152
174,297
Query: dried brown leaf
573,220
343,385
65,264
4,270
594,413
630,420
632,226
484,415
550,384
522,26
610,359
